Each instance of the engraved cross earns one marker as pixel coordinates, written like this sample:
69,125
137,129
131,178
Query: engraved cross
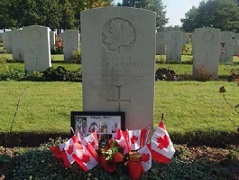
118,99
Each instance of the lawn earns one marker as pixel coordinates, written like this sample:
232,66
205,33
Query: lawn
187,105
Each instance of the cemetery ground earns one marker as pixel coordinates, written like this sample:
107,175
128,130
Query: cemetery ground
203,125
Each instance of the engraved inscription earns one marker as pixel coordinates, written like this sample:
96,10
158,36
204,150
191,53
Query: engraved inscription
118,34
35,35
208,36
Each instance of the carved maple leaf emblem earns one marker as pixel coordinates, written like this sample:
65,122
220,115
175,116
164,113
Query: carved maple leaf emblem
134,139
163,142
70,149
119,34
85,158
145,157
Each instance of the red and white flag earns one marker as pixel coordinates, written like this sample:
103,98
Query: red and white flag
146,158
161,145
93,140
65,150
122,139
86,157
137,138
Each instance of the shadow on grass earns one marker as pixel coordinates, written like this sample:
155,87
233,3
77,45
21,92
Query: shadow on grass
213,139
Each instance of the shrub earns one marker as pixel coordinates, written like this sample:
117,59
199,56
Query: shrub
202,74
165,74
61,74
76,57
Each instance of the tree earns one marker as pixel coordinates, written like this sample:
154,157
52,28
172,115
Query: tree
40,12
152,5
190,23
222,14
5,20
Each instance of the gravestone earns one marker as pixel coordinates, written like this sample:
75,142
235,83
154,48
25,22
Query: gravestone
118,57
7,41
52,39
36,40
17,45
227,45
236,47
160,43
71,43
174,46
206,52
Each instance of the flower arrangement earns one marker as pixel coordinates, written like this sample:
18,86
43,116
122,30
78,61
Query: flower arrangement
129,150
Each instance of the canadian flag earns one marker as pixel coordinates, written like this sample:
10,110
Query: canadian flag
86,156
122,139
66,149
161,145
137,138
146,158
93,140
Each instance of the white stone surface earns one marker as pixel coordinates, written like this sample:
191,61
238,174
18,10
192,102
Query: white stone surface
174,46
52,39
227,45
206,52
17,44
7,41
118,58
236,47
71,43
160,43
36,40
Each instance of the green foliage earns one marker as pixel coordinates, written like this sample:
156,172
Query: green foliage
165,74
39,163
61,74
222,14
76,57
152,5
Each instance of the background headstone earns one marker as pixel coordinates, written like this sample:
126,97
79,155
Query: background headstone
17,44
160,43
52,39
118,58
206,52
236,48
37,55
174,46
71,43
227,45
7,41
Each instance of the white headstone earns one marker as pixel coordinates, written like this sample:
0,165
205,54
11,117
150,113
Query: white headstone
71,43
118,58
160,42
52,39
7,41
206,52
174,46
17,45
227,44
36,40
236,48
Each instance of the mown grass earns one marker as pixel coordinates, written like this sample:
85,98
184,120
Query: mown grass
187,105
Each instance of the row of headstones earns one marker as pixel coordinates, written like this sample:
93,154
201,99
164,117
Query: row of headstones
176,40
33,45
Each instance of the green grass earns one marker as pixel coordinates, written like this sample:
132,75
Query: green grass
188,106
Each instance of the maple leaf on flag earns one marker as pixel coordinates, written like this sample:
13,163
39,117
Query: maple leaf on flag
145,157
163,142
92,143
85,158
70,149
134,139
78,146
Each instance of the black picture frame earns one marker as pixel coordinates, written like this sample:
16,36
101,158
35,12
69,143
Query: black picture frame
104,123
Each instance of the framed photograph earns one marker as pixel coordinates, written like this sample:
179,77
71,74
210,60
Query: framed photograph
104,123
